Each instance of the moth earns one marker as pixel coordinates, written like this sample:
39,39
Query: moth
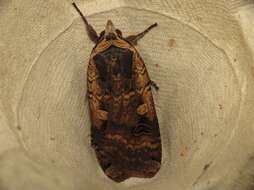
124,127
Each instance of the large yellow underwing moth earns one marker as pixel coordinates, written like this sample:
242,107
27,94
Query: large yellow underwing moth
124,132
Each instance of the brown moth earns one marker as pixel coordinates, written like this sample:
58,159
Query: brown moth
125,132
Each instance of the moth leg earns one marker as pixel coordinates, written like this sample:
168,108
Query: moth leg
90,30
134,38
88,96
153,84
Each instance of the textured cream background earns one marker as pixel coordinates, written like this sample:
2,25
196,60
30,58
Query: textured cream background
201,56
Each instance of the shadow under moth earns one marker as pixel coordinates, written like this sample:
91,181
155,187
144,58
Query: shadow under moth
124,132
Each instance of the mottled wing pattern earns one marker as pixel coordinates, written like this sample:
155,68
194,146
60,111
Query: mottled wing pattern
125,132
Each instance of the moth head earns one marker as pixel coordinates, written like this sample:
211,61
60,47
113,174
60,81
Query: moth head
110,32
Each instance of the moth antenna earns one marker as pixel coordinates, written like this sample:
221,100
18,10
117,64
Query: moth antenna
134,38
80,13
91,32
